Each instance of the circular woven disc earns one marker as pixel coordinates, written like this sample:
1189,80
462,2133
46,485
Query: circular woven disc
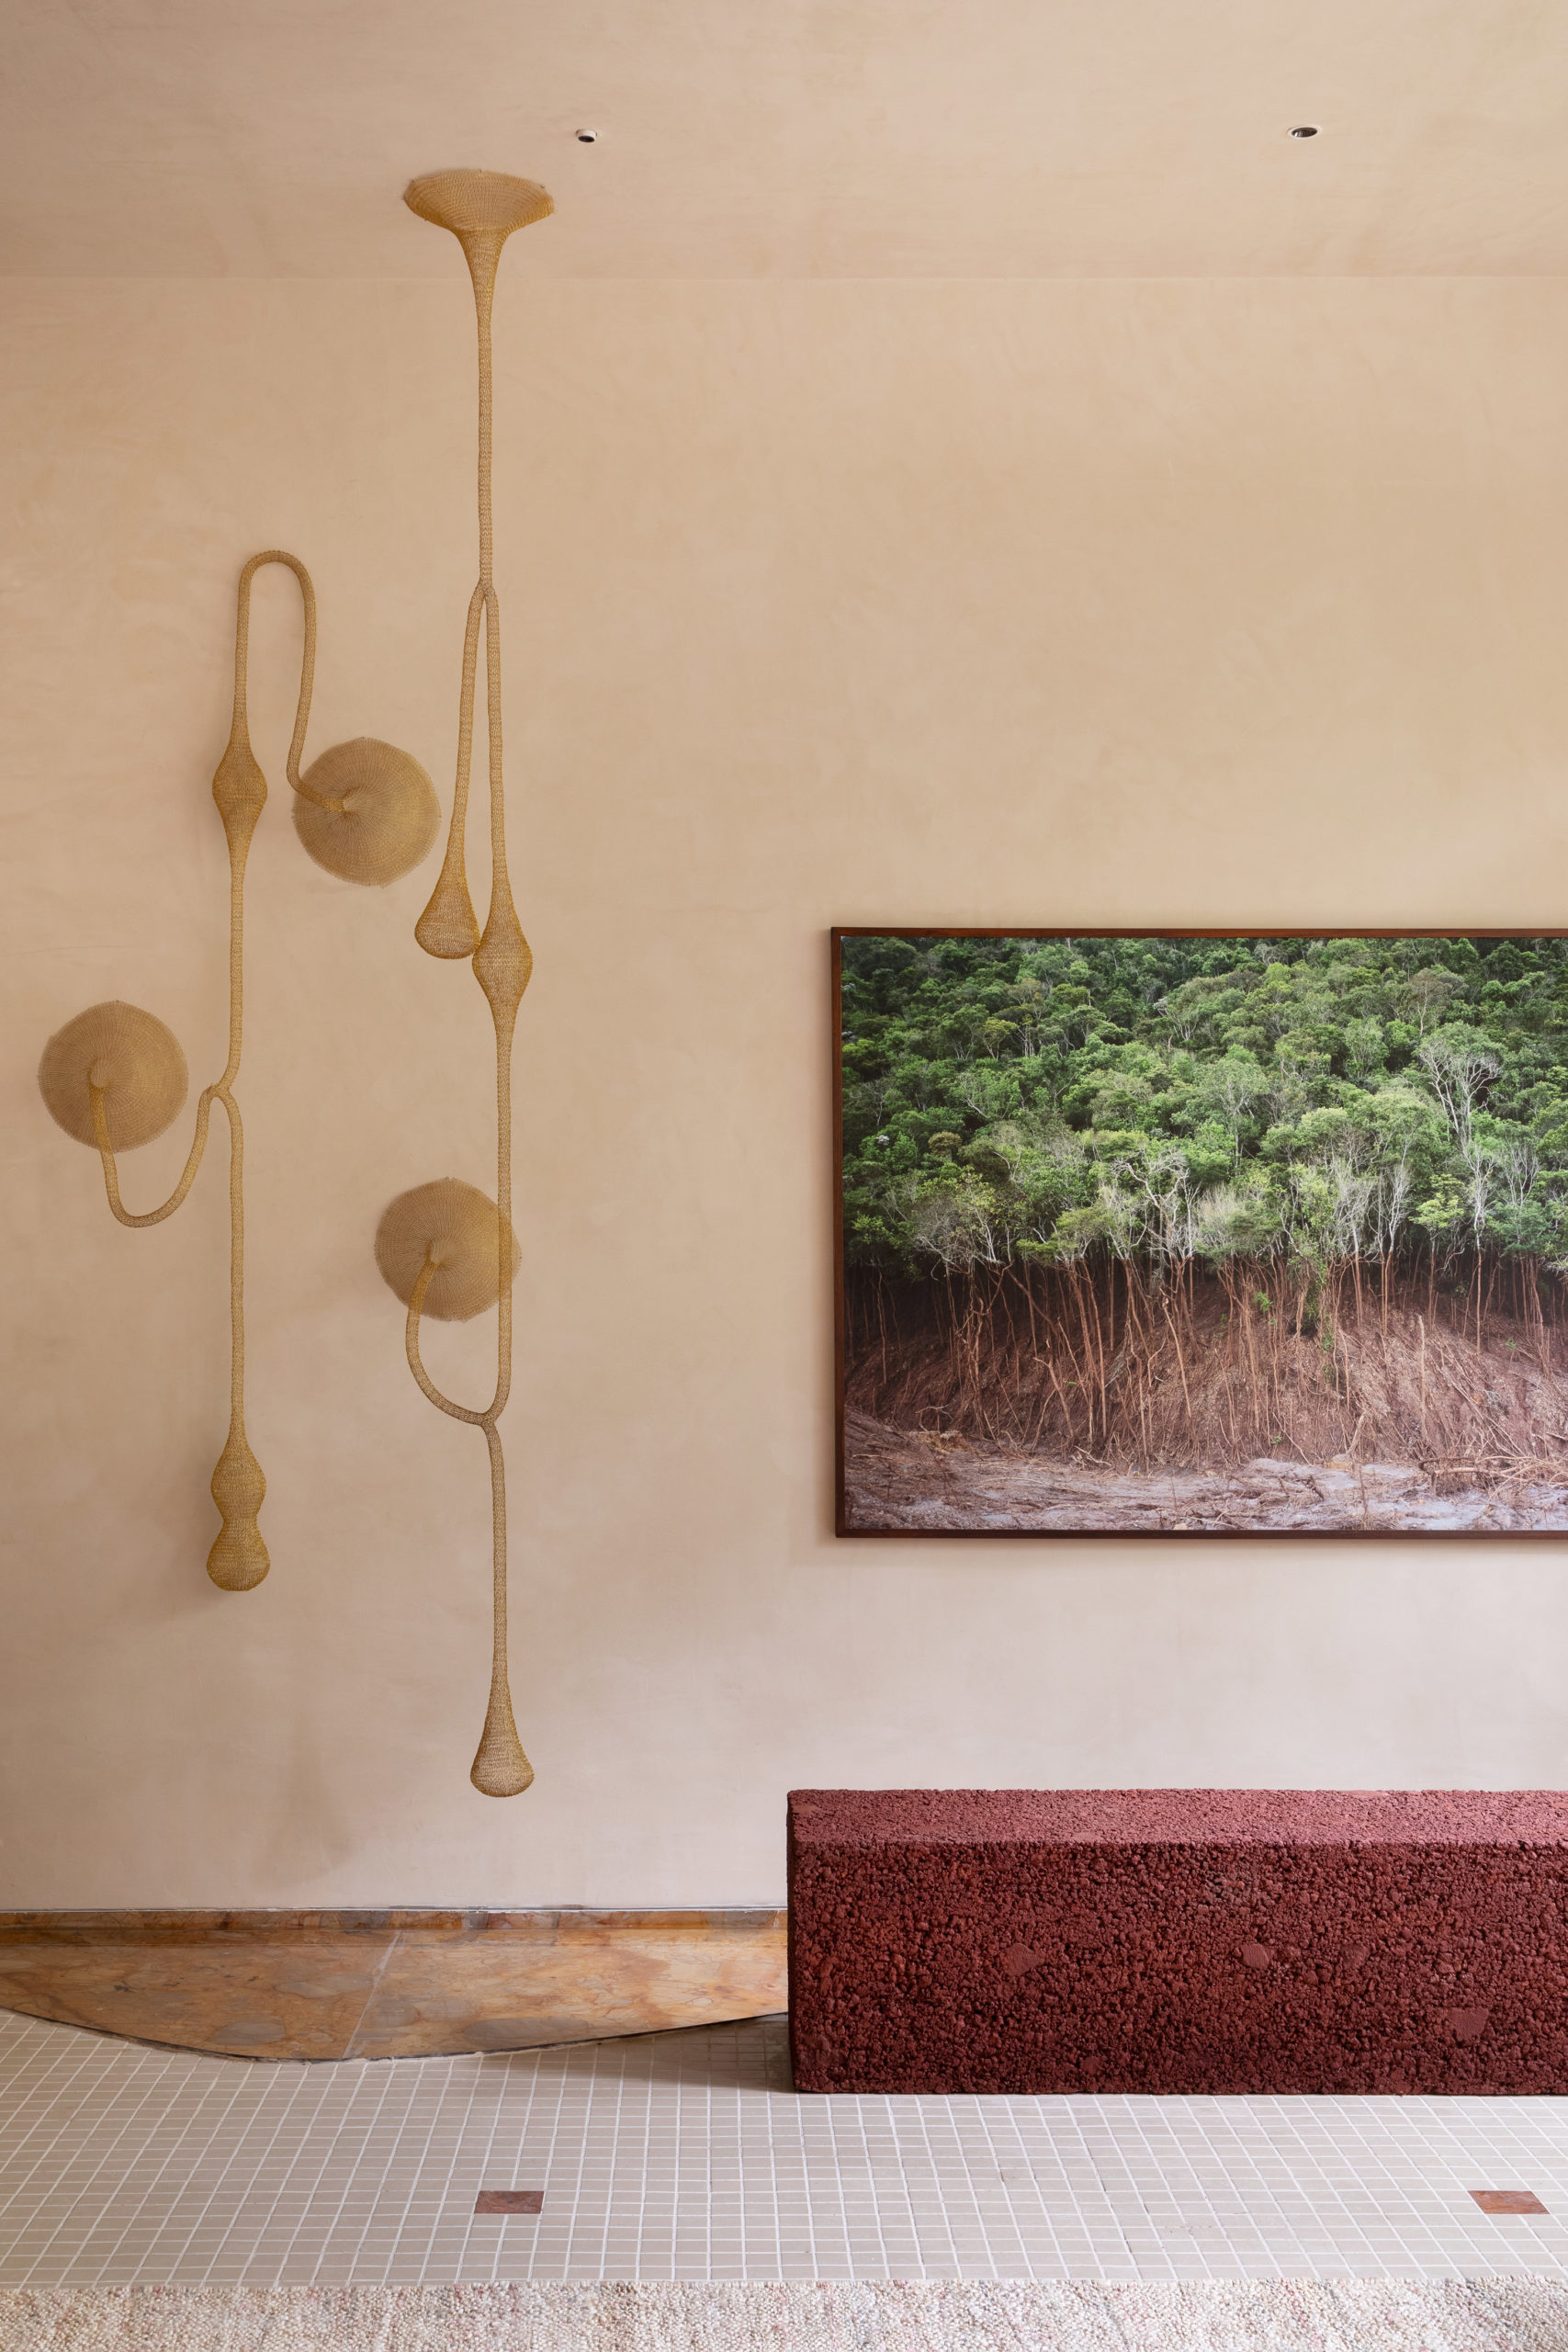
470,200
455,1223
389,817
141,1065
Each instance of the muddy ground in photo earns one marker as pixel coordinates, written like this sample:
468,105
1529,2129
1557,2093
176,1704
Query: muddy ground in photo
911,1480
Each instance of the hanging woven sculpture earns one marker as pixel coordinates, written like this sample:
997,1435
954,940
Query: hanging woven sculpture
445,1248
115,1076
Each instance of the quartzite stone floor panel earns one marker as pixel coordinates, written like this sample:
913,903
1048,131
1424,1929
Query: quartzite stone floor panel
249,1986
687,2155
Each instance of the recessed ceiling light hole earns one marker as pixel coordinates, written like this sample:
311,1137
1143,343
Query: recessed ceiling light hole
1298,131
588,137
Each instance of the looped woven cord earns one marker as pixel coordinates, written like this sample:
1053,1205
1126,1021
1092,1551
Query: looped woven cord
116,1077
238,1560
481,210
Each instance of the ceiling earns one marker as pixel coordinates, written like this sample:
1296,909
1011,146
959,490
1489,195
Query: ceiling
790,137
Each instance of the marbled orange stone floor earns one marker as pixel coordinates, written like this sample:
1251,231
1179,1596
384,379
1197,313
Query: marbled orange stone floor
389,1983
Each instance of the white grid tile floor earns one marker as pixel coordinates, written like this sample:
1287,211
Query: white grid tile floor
687,2155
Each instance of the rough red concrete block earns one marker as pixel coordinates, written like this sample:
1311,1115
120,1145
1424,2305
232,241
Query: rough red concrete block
1178,1940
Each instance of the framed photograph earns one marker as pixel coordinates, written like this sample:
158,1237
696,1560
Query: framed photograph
1202,1232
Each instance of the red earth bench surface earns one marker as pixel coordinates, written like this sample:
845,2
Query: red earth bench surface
1178,1940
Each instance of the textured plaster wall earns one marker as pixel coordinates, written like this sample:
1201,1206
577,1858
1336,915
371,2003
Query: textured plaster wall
1161,602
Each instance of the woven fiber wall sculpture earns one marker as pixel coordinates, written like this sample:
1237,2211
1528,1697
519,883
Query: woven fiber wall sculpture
115,1076
445,1248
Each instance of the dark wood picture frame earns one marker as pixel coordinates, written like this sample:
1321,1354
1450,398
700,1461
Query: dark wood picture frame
845,1525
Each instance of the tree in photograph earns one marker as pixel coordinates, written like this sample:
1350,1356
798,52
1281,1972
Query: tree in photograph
1160,1193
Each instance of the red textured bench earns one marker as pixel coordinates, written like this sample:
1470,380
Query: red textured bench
1178,1940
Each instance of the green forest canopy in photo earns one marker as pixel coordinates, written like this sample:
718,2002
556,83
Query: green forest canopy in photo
1174,1099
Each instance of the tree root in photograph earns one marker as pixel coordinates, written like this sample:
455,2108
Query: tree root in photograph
1210,1402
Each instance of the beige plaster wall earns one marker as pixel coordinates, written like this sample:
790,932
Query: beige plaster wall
1160,602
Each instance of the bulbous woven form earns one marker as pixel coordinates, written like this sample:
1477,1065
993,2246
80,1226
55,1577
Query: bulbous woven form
366,811
451,1227
130,1056
238,1560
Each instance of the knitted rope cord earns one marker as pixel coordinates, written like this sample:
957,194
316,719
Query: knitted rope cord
481,209
115,1076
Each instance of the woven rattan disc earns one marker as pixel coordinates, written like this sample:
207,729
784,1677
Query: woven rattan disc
453,1223
129,1053
477,200
390,815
